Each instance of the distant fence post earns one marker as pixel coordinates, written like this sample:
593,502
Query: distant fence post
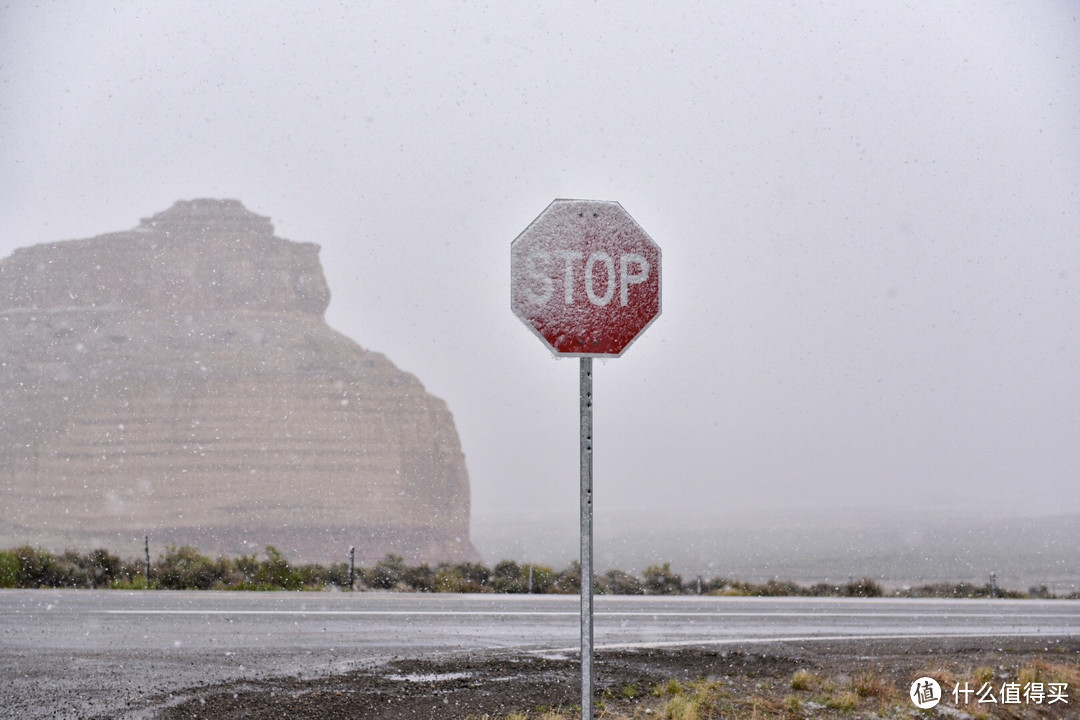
532,572
352,567
146,550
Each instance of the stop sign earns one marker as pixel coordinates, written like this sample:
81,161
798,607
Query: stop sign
585,278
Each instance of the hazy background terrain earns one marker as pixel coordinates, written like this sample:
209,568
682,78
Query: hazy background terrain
869,214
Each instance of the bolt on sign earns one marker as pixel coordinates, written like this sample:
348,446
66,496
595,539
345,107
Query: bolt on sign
585,278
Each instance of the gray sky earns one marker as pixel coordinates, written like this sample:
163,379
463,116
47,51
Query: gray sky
869,214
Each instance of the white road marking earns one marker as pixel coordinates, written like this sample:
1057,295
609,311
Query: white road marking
575,613
805,638
377,613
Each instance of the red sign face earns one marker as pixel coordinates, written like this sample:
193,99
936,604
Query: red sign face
585,278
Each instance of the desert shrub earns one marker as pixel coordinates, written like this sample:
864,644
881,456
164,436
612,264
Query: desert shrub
772,588
9,569
245,569
862,588
660,580
463,578
387,573
99,568
716,585
129,573
419,578
37,568
336,574
73,570
448,579
476,575
617,582
135,581
183,568
959,590
509,577
312,575
568,580
543,577
276,571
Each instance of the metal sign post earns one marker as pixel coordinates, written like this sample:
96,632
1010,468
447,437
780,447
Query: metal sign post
585,278
586,539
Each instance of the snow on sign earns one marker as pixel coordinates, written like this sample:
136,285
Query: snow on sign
585,278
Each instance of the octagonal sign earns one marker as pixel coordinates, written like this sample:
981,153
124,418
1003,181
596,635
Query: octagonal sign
585,278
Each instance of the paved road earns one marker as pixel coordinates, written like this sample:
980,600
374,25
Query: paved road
76,653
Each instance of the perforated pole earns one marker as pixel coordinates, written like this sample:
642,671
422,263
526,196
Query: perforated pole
586,540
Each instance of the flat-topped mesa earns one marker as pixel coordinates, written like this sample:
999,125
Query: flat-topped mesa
202,216
179,380
209,255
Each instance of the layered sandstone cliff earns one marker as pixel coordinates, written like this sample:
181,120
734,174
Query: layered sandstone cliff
179,380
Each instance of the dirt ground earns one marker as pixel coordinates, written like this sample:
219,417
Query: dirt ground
849,679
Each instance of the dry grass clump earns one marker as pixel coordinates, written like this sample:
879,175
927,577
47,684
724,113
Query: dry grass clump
868,691
691,701
983,674
804,680
871,684
671,687
947,676
846,701
1047,672
685,707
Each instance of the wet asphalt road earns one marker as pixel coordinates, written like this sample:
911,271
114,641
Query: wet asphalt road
81,653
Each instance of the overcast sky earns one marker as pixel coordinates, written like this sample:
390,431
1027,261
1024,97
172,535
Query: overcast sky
869,216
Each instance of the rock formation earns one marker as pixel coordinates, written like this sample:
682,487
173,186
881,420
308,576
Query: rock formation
179,380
